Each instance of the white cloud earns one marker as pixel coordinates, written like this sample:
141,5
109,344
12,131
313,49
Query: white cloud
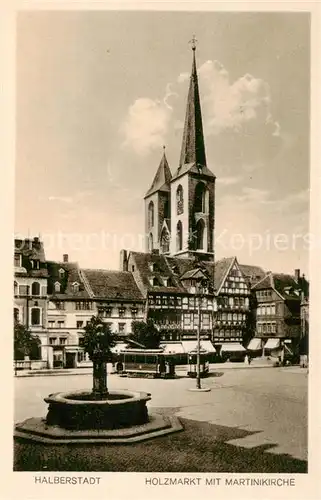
146,124
169,93
234,105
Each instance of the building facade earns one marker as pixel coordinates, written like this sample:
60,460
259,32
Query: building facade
30,287
277,310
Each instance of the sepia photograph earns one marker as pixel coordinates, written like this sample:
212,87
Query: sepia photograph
161,245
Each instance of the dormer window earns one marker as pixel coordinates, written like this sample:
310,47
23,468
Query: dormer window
165,281
75,287
121,312
61,273
57,287
134,312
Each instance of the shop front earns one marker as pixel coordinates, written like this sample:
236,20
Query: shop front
232,351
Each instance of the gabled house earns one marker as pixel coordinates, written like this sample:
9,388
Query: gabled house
278,299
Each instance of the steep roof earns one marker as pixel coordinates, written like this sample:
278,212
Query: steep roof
70,276
253,274
158,266
193,157
162,178
178,269
193,147
221,268
106,284
284,284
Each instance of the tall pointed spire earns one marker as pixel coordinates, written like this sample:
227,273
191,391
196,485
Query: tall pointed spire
162,177
193,148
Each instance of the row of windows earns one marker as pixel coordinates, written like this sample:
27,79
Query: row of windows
227,332
189,320
236,290
264,293
34,315
235,283
231,317
35,289
266,310
56,324
122,312
233,302
267,328
58,341
84,305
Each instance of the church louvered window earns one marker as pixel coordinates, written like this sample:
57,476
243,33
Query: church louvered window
151,215
165,241
179,236
179,200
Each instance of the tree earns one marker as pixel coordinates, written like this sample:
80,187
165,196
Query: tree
146,333
98,342
25,343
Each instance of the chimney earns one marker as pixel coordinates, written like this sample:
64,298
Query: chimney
123,264
65,257
297,275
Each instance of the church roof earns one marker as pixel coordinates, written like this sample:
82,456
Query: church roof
162,178
193,157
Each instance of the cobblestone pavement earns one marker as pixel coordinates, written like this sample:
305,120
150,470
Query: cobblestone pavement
269,403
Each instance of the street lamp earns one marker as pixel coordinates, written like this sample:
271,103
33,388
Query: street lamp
201,285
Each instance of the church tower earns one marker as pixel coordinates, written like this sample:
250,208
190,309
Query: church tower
157,209
192,187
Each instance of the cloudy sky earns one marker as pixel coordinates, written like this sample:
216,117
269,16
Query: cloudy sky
100,93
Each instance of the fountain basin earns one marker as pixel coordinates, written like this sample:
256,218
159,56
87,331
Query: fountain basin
78,410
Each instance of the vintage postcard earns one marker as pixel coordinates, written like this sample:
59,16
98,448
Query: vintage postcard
165,251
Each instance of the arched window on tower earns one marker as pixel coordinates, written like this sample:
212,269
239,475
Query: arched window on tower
200,227
179,236
16,288
179,200
165,241
201,198
150,242
150,214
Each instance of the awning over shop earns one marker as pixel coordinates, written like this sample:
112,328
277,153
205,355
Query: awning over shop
272,344
175,348
233,347
191,345
255,344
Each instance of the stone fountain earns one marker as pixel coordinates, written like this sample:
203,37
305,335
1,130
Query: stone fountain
99,416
